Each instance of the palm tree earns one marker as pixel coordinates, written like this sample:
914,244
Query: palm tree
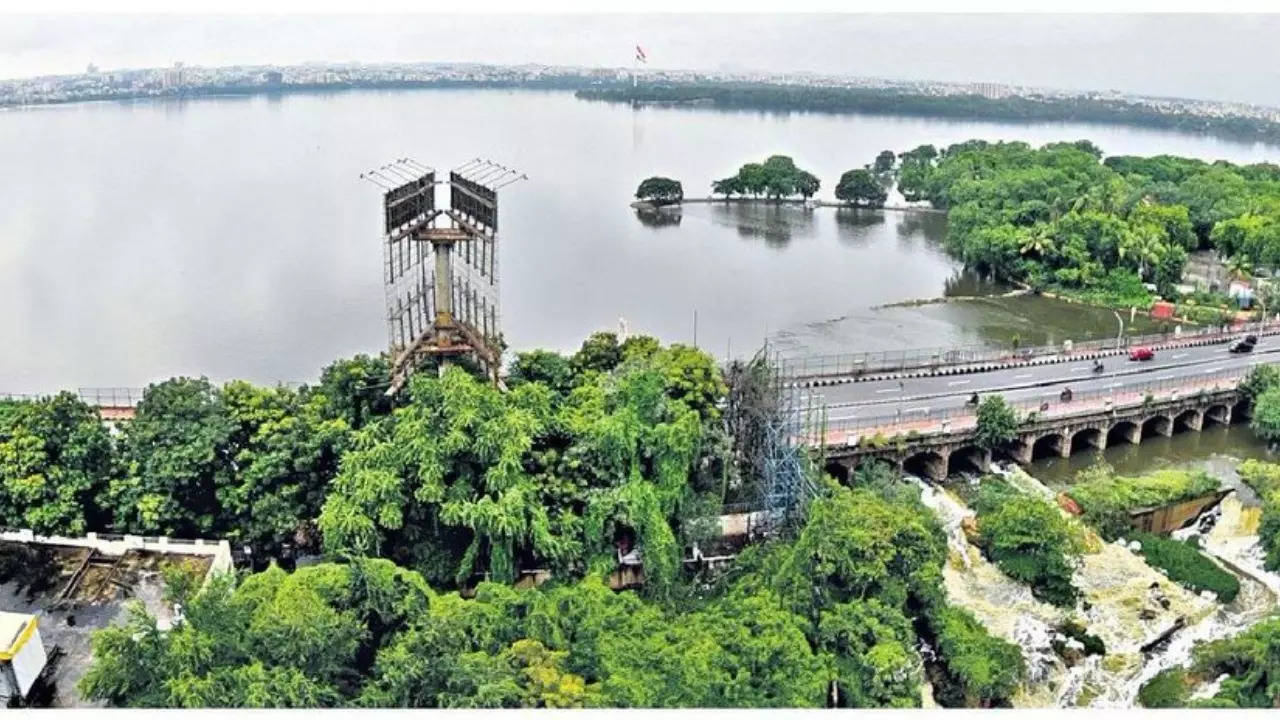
1037,241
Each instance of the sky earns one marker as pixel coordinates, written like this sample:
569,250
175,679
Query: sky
1214,57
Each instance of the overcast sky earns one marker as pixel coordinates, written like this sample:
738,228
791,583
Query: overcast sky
1228,57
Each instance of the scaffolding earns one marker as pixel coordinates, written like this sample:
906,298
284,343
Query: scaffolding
770,420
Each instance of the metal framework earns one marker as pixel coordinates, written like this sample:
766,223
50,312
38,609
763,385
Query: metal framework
441,264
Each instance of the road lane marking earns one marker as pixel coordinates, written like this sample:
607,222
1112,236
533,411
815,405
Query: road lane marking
924,410
1176,357
1164,377
1079,369
957,382
1112,385
1022,377
888,390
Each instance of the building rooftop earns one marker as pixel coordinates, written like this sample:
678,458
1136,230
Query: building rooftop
75,589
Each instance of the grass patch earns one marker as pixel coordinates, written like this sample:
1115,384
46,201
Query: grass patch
1106,498
1168,689
1187,566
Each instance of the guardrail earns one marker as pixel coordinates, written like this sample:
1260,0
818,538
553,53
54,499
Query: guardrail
888,361
929,420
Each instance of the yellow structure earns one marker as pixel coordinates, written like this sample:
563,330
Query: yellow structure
22,655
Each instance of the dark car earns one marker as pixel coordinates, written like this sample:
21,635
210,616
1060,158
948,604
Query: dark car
1141,353
1243,345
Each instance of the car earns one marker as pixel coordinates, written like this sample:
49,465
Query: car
1243,345
1141,353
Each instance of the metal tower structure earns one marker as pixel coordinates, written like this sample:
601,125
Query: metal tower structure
440,265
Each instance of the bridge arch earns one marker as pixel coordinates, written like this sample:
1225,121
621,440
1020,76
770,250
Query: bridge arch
1124,431
1157,425
969,458
1241,412
1219,414
927,464
1189,419
1088,438
1050,445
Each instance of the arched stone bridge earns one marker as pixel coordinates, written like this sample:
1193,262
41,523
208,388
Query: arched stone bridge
939,455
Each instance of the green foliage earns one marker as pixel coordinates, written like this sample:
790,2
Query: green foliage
660,191
55,458
885,161
987,668
1106,498
1260,379
1264,478
541,366
1029,539
1187,566
1266,415
467,481
276,641
860,187
1251,659
355,389
1168,689
997,422
777,177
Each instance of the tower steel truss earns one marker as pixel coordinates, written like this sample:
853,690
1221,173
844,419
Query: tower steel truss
440,265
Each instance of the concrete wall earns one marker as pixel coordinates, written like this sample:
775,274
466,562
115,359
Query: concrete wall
116,545
1168,518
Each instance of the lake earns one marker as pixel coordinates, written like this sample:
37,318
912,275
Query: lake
231,237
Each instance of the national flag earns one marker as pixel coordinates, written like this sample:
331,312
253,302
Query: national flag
640,56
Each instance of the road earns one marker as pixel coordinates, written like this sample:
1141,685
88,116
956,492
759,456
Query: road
922,397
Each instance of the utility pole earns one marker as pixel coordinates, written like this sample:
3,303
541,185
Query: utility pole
1120,332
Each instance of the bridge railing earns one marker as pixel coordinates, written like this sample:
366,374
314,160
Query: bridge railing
926,420
865,363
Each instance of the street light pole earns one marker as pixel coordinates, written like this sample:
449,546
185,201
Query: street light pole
1120,333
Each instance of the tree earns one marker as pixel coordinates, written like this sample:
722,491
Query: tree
1029,540
1260,379
885,161
660,191
859,187
807,184
541,366
1266,415
600,352
177,455
997,422
56,457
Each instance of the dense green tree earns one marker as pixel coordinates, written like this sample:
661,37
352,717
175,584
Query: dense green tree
55,458
860,187
1028,538
1266,415
177,453
541,366
777,177
600,352
997,422
885,161
660,191
355,389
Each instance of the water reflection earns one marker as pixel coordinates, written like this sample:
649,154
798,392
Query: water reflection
659,218
775,223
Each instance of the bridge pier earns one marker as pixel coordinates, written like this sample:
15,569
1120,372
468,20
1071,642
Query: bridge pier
1088,437
1128,431
1020,450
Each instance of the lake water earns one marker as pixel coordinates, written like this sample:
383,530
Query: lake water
230,237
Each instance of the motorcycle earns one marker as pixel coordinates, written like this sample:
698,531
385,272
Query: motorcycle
1097,366
1065,395
973,400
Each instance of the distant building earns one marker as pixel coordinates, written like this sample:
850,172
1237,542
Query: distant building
272,77
91,69
173,77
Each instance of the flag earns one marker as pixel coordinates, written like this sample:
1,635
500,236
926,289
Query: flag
640,56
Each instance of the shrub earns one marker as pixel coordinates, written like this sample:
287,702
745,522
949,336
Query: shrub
1264,478
987,668
1168,689
1029,539
997,422
1187,566
1107,498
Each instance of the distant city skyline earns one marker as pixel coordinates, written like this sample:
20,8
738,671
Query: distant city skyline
1230,58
